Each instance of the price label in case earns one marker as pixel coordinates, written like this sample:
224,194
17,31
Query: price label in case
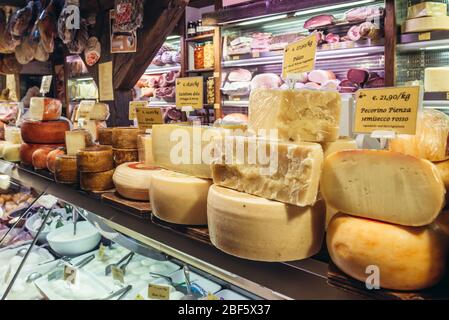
387,109
102,252
159,292
118,274
46,84
70,274
133,105
424,36
299,57
146,117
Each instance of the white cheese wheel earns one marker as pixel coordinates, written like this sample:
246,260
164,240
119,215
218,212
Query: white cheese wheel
95,159
11,152
97,181
179,198
383,185
133,180
425,24
13,135
255,228
125,137
45,109
408,258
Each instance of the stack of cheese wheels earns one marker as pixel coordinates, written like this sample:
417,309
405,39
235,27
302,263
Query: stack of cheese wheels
66,170
132,180
105,136
124,143
96,168
42,132
97,119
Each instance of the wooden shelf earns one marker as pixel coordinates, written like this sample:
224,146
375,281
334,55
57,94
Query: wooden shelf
201,70
200,38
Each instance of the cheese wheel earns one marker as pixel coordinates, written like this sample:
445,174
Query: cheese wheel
125,138
11,152
3,144
125,155
443,170
133,180
408,258
105,136
443,221
27,150
145,144
44,131
100,112
259,229
383,185
45,109
338,145
179,198
51,158
13,135
95,159
66,170
76,140
39,158
97,181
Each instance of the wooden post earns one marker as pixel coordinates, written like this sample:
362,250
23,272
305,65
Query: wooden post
390,43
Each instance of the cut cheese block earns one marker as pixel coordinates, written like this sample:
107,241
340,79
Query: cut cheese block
185,149
66,170
45,109
145,144
443,221
133,180
99,112
291,174
76,140
443,170
427,9
425,24
431,139
255,228
125,137
179,198
435,79
95,159
51,158
11,152
93,127
44,131
3,144
13,135
383,185
27,150
407,258
125,155
298,115
105,136
39,158
98,181
339,145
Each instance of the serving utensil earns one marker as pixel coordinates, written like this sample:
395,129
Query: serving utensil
108,268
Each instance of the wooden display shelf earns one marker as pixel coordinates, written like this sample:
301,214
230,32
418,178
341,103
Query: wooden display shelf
194,232
201,37
140,209
201,70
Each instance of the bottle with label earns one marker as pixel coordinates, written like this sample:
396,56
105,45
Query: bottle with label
191,30
199,27
198,56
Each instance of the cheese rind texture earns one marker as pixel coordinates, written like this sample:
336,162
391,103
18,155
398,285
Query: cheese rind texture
76,140
425,24
338,145
145,144
298,115
45,109
255,228
290,174
434,79
105,136
408,258
383,185
66,170
179,198
44,131
13,135
100,112
95,159
97,181
121,156
125,137
27,150
431,139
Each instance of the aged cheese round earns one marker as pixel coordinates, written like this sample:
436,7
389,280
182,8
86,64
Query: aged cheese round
125,138
95,159
338,145
51,158
383,185
39,158
11,152
145,144
27,150
66,170
408,258
105,136
45,109
97,181
259,229
179,198
100,112
125,155
44,131
132,180
13,135
443,169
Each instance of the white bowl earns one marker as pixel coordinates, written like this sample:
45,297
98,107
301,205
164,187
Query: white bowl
63,242
31,220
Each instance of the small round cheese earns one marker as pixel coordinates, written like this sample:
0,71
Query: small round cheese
105,136
51,158
259,229
125,155
66,170
95,159
96,181
39,158
125,137
179,198
27,150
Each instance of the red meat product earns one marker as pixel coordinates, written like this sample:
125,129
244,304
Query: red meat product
170,78
358,76
364,13
266,81
240,75
22,20
332,38
347,86
369,30
319,21
354,33
375,83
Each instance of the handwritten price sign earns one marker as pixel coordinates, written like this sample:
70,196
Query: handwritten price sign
189,92
299,56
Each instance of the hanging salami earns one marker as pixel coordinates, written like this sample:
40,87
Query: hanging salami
128,15
93,51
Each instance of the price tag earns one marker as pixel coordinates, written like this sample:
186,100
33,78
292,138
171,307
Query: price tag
46,84
424,36
256,54
139,297
146,117
235,57
102,253
70,274
387,109
117,274
211,296
159,292
217,106
189,92
132,108
299,56
84,109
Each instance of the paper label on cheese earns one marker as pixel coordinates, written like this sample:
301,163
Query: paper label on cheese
159,292
190,92
146,117
70,274
133,105
46,84
84,110
387,109
118,274
299,57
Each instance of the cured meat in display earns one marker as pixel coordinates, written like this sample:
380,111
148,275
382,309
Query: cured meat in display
22,20
79,44
358,76
240,75
347,86
354,33
266,81
319,21
93,51
321,76
364,14
128,15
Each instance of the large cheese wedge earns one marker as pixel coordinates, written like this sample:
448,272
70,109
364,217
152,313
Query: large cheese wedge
3,144
433,79
96,181
125,137
11,152
298,115
383,185
66,170
431,139
95,159
407,258
425,24
51,158
39,158
100,112
255,228
132,180
427,9
44,131
121,156
13,135
76,140
145,144
27,150
338,145
105,136
290,173
179,198
185,149
45,109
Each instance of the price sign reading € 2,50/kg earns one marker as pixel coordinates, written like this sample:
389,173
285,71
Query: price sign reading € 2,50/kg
189,92
299,57
387,109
